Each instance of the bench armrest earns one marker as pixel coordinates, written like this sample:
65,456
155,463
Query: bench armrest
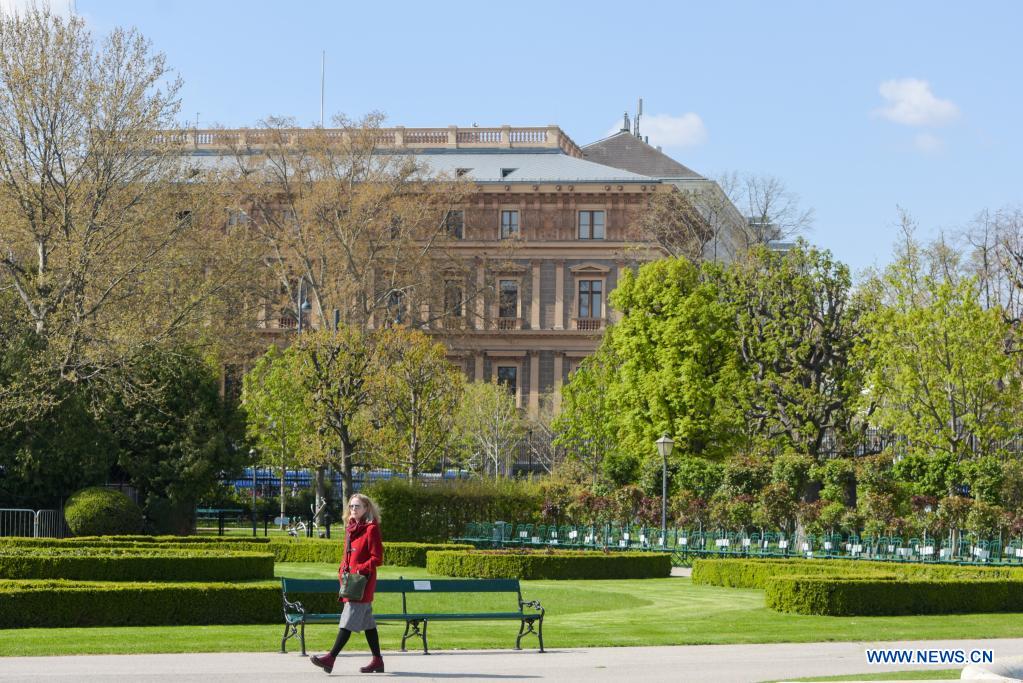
293,606
535,604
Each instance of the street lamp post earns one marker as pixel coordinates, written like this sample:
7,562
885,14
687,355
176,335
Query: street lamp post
252,459
664,446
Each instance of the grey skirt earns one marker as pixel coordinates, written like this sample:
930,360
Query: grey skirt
357,616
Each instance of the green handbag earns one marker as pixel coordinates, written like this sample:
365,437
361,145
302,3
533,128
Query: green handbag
353,584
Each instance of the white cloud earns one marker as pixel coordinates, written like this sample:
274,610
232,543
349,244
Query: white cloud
929,144
686,130
911,102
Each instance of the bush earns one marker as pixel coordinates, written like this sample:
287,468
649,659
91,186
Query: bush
110,541
283,550
744,573
133,564
521,564
436,513
756,573
879,595
396,554
50,604
97,511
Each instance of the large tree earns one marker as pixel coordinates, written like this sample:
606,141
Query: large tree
795,325
585,426
336,372
349,223
415,391
937,362
674,349
276,410
105,230
178,439
488,427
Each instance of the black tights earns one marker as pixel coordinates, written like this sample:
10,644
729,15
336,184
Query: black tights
343,634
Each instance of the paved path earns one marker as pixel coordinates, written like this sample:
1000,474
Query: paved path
718,663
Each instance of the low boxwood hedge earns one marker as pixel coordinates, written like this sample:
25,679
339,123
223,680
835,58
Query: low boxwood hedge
283,550
879,595
25,604
755,573
395,554
546,564
131,564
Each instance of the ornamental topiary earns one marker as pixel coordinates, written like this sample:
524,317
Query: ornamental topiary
98,512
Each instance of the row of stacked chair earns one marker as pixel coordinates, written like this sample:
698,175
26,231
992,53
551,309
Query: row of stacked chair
686,543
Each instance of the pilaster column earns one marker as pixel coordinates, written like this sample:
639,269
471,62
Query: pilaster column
559,369
534,384
614,315
481,303
559,295
534,308
478,370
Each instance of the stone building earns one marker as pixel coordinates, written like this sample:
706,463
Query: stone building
548,229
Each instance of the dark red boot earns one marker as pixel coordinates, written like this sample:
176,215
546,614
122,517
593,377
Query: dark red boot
325,662
376,666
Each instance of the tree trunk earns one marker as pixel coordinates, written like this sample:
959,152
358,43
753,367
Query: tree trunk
321,494
347,486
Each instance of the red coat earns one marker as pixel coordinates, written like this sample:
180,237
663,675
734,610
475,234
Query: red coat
366,555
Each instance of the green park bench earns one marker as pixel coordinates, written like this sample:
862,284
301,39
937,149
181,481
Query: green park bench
296,616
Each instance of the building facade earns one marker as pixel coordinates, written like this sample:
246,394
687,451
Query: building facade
546,231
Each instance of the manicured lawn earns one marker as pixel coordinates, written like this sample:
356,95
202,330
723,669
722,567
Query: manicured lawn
939,675
579,614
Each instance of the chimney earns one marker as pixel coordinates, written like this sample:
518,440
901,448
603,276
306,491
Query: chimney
625,123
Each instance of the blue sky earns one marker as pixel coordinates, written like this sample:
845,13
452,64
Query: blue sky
858,107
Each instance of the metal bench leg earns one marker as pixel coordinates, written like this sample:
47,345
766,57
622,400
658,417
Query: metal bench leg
284,639
526,626
426,649
303,639
412,629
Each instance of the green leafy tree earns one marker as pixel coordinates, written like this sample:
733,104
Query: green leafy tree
585,427
415,392
276,413
675,351
336,367
936,363
176,441
795,326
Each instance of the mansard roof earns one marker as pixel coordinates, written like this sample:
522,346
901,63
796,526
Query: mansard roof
500,166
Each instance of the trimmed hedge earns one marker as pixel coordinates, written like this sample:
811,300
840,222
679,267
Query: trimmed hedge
99,510
755,573
518,564
436,513
131,564
397,554
25,604
876,595
283,550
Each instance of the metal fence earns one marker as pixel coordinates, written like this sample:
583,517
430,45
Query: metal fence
33,523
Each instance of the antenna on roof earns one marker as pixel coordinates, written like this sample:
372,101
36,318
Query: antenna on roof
625,123
639,113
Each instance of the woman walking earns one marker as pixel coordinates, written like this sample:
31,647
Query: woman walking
364,552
